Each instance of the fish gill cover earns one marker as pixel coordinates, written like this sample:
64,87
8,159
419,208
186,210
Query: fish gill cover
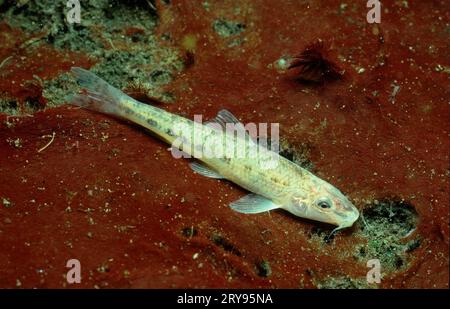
362,105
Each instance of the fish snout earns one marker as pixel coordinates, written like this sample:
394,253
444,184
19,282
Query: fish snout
354,215
350,218
346,212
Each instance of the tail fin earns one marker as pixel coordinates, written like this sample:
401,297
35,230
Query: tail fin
98,95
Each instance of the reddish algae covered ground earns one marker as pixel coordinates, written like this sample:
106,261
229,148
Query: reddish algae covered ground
109,194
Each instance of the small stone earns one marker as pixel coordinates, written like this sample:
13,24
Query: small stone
360,70
126,273
7,203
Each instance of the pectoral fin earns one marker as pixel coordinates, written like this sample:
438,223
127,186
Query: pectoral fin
204,171
253,204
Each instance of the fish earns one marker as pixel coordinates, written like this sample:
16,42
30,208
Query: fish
273,181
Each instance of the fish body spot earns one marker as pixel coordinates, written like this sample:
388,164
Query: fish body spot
170,132
152,122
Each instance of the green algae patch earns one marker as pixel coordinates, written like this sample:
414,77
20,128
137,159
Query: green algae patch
297,153
387,226
263,268
343,282
119,38
227,28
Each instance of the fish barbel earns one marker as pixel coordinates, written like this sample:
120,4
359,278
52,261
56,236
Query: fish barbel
274,181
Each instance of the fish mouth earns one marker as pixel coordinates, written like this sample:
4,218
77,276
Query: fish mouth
350,219
355,215
347,218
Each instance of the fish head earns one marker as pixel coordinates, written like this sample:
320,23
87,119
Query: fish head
325,203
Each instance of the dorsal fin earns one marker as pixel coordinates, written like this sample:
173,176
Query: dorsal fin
224,116
228,117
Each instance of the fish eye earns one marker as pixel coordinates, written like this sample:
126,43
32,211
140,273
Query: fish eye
324,204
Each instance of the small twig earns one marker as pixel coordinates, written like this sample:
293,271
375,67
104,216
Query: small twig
49,143
33,40
39,80
111,43
395,91
409,233
5,61
364,220
150,4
